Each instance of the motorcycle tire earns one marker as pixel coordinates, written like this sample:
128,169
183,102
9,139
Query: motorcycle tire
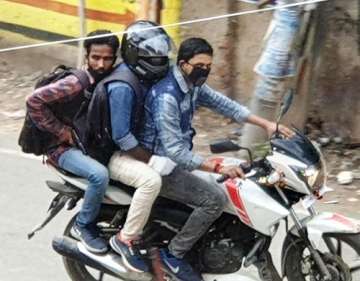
78,271
295,247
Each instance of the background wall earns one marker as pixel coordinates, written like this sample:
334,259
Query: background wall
337,93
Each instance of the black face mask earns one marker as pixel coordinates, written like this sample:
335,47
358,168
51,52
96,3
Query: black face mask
198,76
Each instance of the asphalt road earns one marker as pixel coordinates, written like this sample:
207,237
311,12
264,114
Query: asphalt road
24,199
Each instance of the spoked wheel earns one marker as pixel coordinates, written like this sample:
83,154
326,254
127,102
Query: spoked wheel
79,271
342,260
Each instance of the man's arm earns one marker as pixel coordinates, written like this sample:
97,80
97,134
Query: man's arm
231,109
122,101
221,104
268,126
38,105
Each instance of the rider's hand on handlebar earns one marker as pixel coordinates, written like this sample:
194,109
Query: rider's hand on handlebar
231,171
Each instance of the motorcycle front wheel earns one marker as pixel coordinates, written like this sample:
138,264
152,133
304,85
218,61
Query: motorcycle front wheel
342,261
78,271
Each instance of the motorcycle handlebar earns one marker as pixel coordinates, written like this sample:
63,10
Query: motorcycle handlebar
246,167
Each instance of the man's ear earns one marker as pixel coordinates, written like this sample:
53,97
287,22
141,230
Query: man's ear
181,63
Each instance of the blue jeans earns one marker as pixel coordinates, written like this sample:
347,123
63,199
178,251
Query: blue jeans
74,161
207,198
278,59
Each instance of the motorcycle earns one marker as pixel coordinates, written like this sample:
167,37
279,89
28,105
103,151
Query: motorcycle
317,247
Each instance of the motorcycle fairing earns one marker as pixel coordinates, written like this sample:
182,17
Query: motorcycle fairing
282,163
330,223
254,206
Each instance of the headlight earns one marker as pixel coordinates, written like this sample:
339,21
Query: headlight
315,177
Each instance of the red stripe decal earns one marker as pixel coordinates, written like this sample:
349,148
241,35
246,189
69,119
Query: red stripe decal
236,200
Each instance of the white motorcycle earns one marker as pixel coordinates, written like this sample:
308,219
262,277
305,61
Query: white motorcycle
318,247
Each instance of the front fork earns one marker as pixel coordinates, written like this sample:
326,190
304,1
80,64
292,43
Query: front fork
309,245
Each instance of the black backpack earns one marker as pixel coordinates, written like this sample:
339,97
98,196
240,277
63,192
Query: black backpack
31,138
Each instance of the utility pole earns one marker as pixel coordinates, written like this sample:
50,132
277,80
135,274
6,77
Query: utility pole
82,20
150,10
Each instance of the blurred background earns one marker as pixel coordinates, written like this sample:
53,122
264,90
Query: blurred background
321,65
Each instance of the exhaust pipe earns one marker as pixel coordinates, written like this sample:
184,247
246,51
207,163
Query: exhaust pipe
110,263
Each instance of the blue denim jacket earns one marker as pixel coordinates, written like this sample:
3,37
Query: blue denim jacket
122,102
169,109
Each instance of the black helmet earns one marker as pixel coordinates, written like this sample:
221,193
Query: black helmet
146,51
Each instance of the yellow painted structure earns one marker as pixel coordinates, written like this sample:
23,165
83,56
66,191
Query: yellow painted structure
171,13
60,17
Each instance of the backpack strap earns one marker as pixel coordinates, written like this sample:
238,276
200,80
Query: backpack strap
82,76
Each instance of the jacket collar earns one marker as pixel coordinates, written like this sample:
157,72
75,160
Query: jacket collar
180,79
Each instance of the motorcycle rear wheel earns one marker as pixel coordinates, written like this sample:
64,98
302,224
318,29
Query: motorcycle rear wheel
344,266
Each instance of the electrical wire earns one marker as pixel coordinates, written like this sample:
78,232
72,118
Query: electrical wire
165,25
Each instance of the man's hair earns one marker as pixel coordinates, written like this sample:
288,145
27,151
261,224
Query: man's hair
193,46
112,41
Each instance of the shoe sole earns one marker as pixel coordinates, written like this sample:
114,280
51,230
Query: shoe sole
123,258
170,273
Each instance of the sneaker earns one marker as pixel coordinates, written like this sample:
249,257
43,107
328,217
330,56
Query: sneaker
131,256
89,237
178,267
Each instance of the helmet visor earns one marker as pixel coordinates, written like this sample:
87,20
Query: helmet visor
160,46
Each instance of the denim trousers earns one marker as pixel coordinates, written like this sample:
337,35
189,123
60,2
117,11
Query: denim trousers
278,59
74,161
207,199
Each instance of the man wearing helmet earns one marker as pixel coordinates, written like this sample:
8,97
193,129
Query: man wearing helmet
144,49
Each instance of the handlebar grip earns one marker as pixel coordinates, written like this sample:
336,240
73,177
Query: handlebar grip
246,167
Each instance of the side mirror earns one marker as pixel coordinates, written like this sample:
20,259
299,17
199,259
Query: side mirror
222,146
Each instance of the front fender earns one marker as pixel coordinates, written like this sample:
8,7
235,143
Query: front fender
317,226
328,222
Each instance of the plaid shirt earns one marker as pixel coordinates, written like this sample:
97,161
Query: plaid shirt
169,108
39,104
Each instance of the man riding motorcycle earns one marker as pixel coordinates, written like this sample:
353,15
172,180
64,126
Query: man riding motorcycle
170,106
